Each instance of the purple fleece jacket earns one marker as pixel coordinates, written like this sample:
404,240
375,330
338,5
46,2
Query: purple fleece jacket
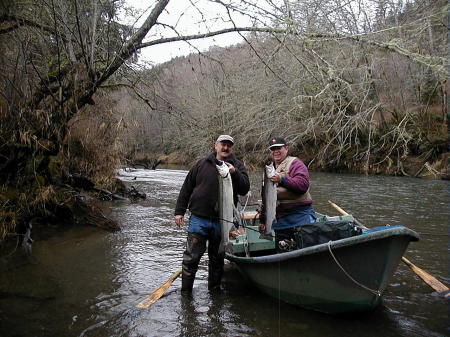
297,182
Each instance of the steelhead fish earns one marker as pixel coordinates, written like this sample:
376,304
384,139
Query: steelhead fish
225,203
269,197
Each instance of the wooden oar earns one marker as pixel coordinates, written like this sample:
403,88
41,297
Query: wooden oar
433,282
158,293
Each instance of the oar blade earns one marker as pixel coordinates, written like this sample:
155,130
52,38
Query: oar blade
433,282
158,293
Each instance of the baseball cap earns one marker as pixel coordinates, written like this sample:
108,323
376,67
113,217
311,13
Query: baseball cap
276,141
223,138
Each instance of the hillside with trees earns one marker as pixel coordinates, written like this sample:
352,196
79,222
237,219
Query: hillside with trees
368,99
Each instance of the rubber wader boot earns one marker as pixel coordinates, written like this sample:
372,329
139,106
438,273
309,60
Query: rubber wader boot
195,248
214,282
187,283
215,266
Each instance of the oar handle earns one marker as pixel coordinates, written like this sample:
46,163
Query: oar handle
340,210
337,208
158,293
407,262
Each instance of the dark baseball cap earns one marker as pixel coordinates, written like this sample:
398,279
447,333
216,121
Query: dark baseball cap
277,141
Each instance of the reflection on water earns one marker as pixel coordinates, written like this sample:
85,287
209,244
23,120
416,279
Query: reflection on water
86,282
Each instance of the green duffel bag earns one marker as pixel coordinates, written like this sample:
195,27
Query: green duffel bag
324,231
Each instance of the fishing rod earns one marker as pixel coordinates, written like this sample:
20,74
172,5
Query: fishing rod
236,224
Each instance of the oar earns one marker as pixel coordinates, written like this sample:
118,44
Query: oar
433,282
158,293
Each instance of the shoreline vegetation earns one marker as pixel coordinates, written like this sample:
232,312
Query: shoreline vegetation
365,96
76,199
415,167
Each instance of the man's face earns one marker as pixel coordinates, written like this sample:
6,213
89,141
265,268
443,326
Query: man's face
223,149
279,153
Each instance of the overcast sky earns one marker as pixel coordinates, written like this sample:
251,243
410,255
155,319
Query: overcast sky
187,20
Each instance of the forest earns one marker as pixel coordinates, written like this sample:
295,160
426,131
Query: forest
354,86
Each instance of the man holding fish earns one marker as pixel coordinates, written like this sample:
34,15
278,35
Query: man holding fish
204,192
289,176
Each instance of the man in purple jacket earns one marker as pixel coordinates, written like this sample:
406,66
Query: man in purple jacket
294,202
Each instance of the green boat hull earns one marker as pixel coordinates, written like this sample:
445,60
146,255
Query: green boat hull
346,275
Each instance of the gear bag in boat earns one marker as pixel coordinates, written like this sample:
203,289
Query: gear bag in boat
324,231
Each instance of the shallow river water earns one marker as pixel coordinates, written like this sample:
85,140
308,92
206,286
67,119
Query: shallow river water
86,282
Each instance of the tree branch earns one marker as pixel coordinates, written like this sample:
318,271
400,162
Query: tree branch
437,64
18,22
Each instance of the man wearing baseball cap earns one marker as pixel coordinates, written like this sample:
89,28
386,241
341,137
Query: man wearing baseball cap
294,202
200,193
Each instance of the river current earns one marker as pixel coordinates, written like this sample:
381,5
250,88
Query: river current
83,281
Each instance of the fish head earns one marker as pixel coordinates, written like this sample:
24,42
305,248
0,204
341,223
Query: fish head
222,169
270,171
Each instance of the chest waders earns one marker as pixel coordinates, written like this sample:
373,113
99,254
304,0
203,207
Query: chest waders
195,248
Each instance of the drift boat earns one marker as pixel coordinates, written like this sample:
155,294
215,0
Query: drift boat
339,276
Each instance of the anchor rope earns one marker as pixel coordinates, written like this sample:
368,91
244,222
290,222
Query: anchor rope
375,292
246,201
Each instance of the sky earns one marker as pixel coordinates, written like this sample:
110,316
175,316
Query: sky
187,20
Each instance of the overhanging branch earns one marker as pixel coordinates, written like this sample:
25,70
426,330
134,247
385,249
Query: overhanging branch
435,63
17,22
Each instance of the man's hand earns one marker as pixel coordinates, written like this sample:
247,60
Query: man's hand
236,233
179,220
262,228
231,168
276,178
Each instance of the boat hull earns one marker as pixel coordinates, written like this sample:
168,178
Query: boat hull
345,275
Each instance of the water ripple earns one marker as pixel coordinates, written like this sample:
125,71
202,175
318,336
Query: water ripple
94,279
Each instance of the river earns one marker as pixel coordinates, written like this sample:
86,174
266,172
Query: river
83,281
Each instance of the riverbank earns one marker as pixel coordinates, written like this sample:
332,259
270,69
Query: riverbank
412,166
64,204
